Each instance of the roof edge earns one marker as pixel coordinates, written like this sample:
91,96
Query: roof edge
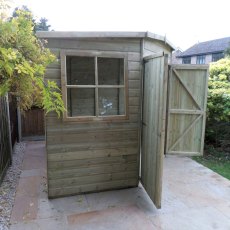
102,34
197,54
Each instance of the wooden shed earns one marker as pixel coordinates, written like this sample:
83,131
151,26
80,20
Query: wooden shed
125,108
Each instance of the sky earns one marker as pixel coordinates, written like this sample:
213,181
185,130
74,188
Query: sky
183,22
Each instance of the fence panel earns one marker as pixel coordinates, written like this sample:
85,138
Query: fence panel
5,143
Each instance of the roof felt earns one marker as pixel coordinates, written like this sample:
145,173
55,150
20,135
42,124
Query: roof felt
213,46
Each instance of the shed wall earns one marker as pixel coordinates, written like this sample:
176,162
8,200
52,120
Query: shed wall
94,156
150,47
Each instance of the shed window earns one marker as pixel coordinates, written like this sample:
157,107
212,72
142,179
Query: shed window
200,59
94,86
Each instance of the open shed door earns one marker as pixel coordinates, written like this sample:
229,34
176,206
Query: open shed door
153,125
186,109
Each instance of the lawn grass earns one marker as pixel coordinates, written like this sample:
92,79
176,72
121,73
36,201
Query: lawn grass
216,160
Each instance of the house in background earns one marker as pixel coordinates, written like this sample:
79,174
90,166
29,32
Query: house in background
204,52
176,53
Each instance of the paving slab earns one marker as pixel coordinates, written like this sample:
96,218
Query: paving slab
194,198
122,218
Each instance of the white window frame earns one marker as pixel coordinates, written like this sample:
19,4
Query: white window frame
199,58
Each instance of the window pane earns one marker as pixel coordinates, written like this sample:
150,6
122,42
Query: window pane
111,102
81,102
186,60
110,71
217,56
200,59
80,70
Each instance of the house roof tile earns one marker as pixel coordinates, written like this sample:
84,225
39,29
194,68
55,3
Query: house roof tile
213,46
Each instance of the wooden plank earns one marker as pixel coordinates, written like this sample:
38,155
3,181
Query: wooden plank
190,67
184,153
153,133
92,170
134,84
83,180
56,123
121,45
134,93
97,35
89,138
134,66
91,162
134,75
204,115
134,56
87,154
185,111
52,148
162,130
57,192
134,101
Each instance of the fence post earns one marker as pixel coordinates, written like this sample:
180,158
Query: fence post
19,121
9,129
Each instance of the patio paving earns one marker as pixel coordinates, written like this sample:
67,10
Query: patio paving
194,197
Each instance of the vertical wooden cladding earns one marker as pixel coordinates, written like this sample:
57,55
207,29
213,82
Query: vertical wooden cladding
94,155
153,126
187,107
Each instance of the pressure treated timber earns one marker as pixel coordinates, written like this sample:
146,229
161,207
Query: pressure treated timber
89,179
187,109
105,185
84,171
91,162
153,124
88,137
121,45
86,156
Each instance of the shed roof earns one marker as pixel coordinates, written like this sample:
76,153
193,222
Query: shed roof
213,46
76,34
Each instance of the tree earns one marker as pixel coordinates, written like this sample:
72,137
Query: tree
17,10
227,51
42,25
219,91
23,61
218,117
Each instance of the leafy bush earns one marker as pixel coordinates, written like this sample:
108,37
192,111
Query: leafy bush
23,61
218,105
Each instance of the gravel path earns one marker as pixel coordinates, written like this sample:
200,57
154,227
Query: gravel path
9,185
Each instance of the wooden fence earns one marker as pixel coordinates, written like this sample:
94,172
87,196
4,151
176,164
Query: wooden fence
33,123
5,139
13,119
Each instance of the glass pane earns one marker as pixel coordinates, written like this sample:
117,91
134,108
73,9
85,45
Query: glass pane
81,102
111,102
80,70
110,71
